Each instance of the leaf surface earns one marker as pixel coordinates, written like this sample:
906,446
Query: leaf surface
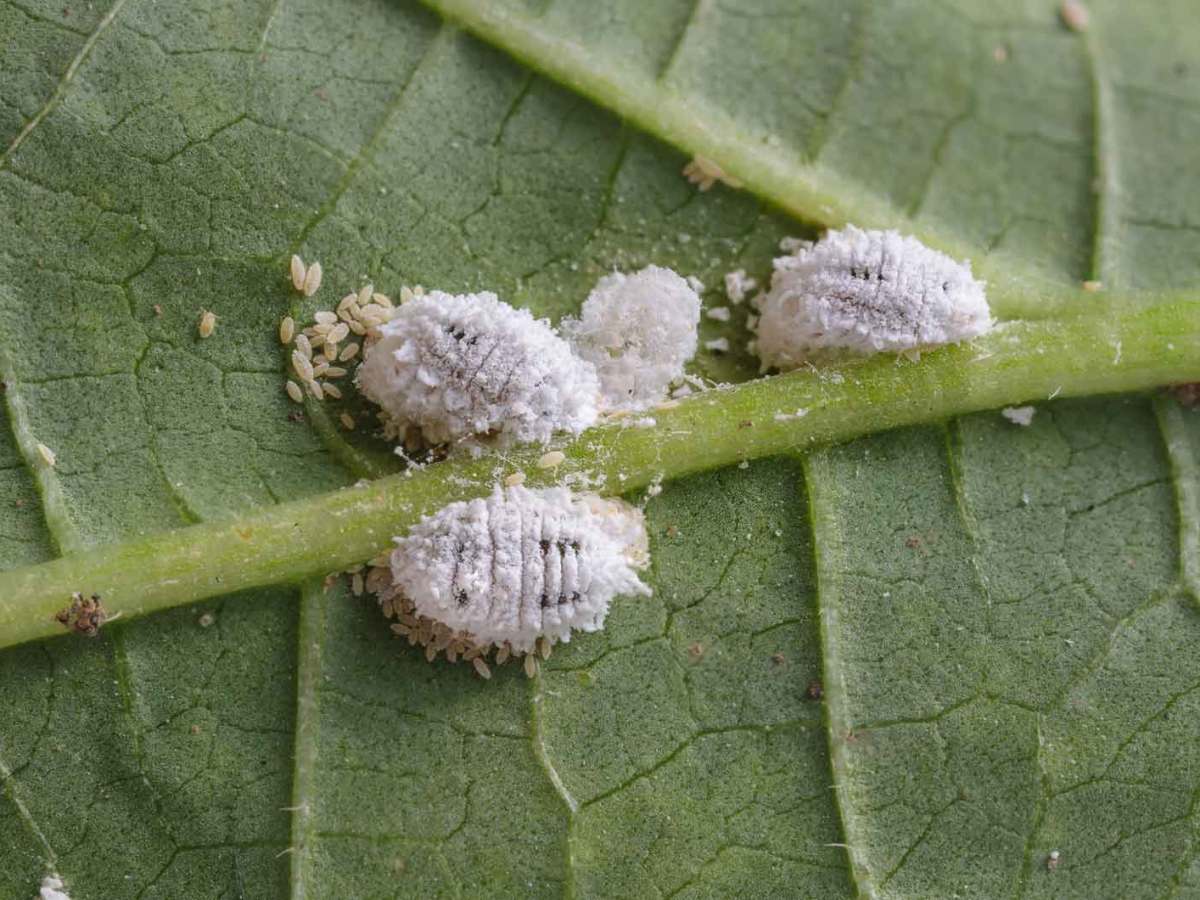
1002,618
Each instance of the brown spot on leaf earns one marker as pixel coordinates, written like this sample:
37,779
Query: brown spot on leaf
84,615
1187,394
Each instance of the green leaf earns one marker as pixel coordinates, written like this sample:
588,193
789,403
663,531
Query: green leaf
1003,618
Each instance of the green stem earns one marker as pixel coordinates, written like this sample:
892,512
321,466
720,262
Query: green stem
1115,347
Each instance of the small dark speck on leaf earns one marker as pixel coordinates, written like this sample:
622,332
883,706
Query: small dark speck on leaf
746,423
912,543
20,504
778,658
1053,860
295,416
158,310
672,531
321,93
816,690
696,650
1187,394
195,729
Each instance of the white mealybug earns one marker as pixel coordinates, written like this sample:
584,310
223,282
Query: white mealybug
638,330
522,564
861,292
470,366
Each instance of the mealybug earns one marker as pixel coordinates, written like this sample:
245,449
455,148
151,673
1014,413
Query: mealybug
638,330
861,292
470,367
522,564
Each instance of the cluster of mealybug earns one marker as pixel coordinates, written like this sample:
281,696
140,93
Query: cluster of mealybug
514,573
521,565
469,367
861,292
639,331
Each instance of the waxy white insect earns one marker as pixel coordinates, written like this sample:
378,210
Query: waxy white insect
639,331
862,292
462,367
522,564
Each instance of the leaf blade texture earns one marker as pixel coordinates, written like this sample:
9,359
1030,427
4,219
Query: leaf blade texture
175,155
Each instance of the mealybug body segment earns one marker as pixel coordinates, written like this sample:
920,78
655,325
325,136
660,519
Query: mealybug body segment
862,292
471,366
522,564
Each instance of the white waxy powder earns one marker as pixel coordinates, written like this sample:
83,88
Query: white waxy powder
468,366
1019,415
52,888
639,331
522,564
862,292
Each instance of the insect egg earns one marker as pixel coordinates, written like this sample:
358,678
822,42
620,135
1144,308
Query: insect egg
522,564
862,292
298,272
208,322
312,279
469,366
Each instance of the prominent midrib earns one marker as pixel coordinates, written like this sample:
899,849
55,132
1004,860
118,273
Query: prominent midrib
1107,191
307,733
825,522
1185,475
